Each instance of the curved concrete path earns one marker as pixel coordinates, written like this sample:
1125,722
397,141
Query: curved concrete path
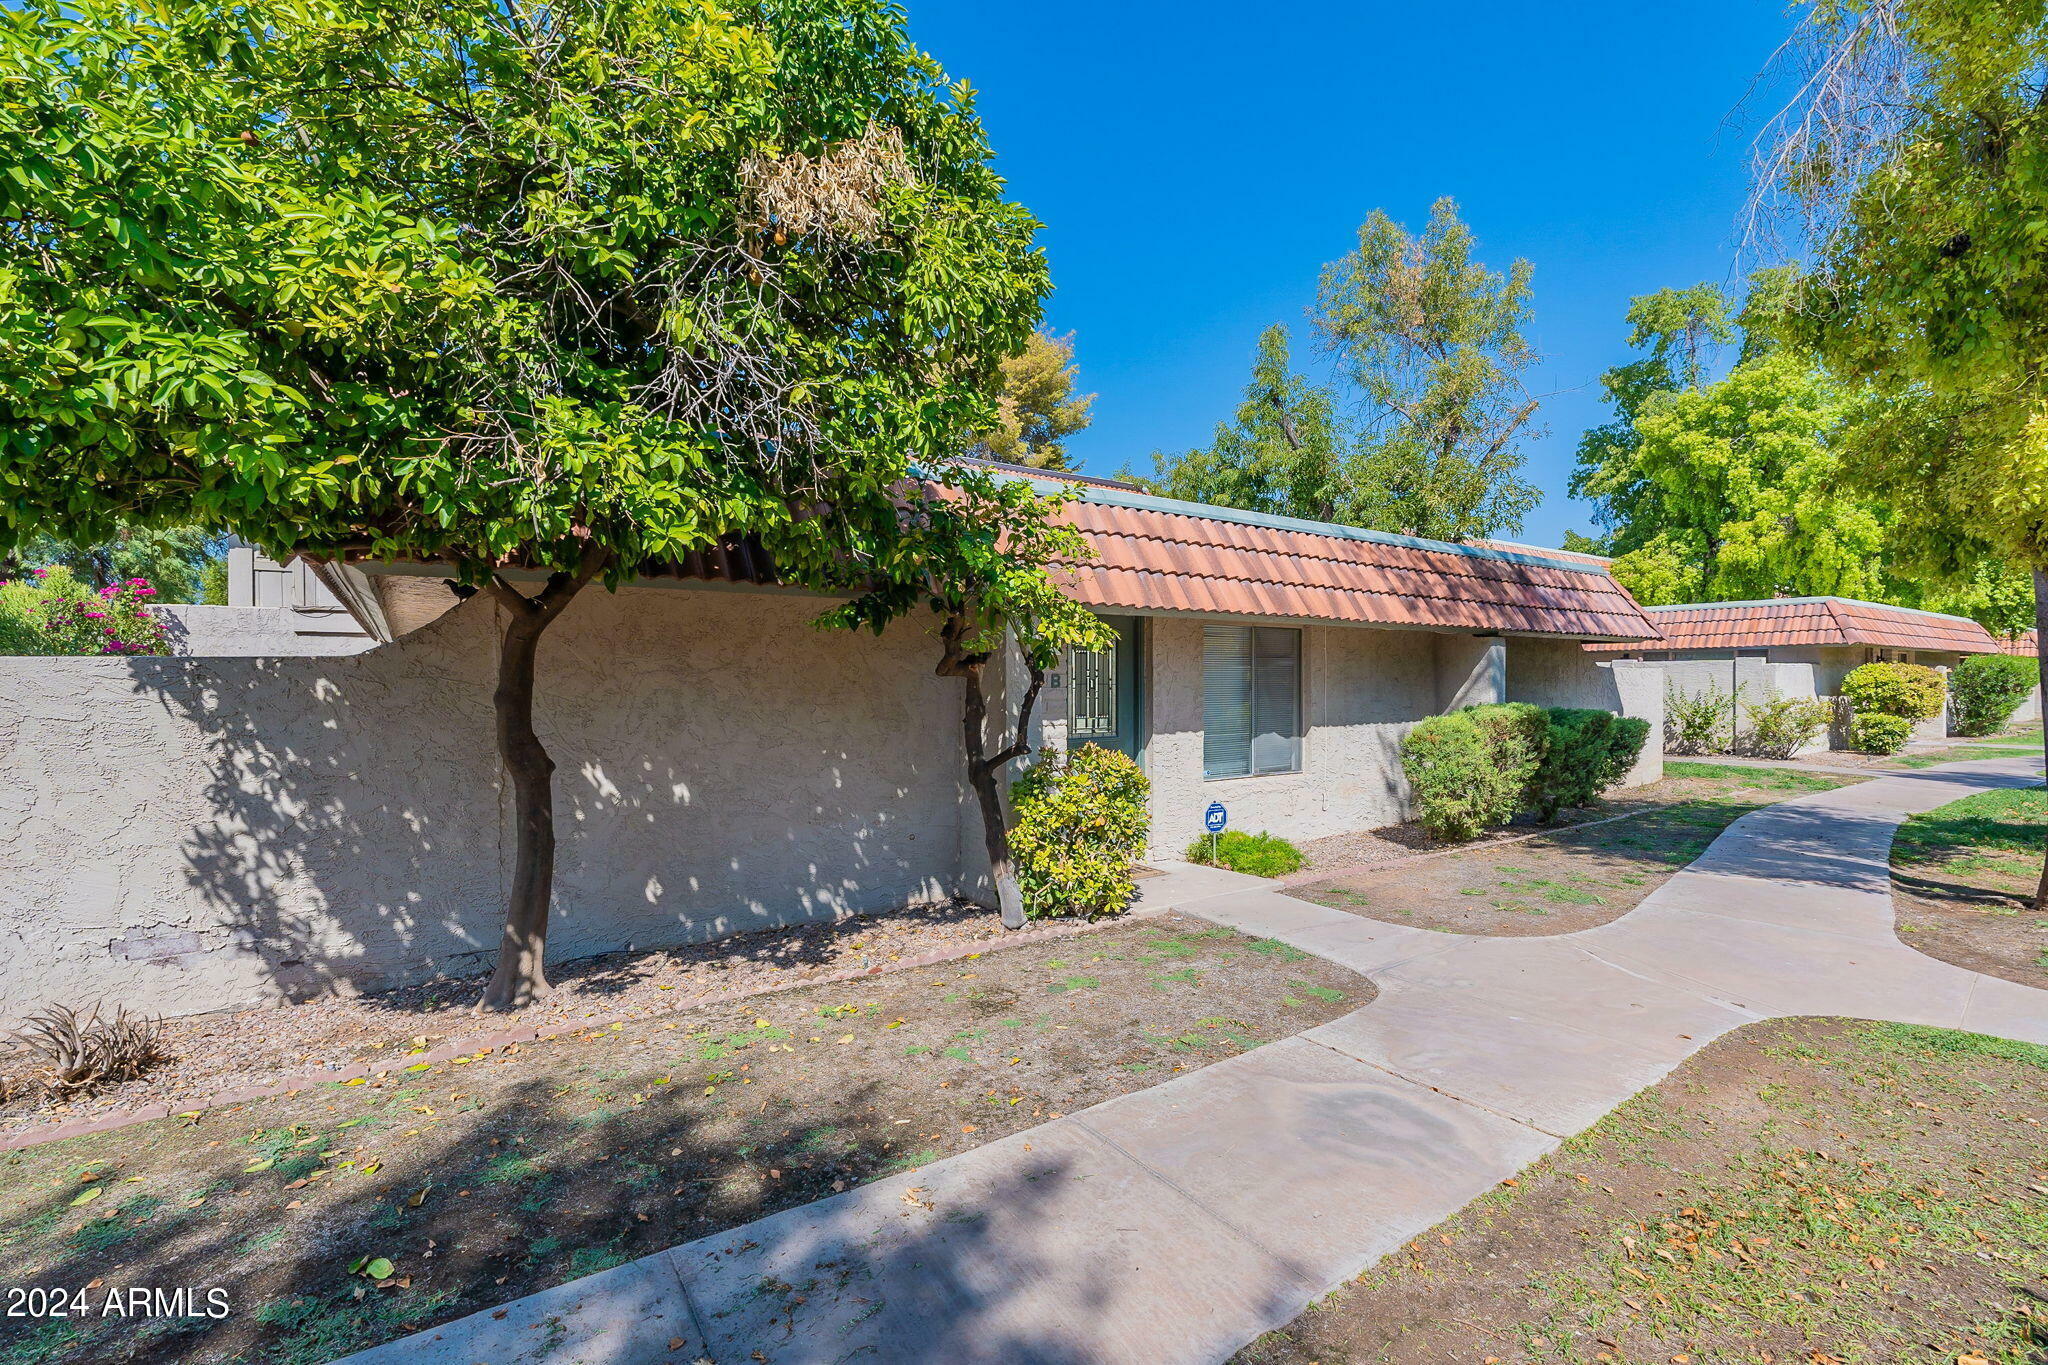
1177,1223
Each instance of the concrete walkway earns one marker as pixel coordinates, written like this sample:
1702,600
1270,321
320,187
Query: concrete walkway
1178,1223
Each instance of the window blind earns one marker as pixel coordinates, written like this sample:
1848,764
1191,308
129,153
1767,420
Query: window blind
1251,700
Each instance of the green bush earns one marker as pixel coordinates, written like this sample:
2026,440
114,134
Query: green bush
1700,722
1585,752
1080,822
1255,855
1909,690
51,612
1988,688
1783,726
1470,770
1874,732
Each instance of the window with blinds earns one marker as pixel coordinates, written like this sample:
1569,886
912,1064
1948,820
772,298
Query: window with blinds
1251,700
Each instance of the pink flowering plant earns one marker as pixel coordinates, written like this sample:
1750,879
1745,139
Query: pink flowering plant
49,611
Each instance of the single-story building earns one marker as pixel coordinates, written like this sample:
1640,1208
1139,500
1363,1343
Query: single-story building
200,833
1798,647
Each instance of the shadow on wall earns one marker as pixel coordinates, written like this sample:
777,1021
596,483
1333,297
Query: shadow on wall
214,833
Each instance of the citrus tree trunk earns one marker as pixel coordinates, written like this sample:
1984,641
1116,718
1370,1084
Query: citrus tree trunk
981,775
2041,674
520,977
984,768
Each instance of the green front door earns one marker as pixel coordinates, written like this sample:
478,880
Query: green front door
1102,692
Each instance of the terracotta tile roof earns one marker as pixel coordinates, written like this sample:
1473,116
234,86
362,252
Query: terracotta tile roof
1154,554
1570,556
1812,621
2027,645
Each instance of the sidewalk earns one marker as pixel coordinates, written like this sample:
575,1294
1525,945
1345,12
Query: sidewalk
1177,1223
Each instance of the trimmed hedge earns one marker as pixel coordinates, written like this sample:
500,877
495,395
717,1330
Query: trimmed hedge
1080,822
1477,769
1585,752
1912,691
1988,688
1255,855
1874,732
1470,770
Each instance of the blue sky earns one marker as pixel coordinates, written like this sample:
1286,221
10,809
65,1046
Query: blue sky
1195,164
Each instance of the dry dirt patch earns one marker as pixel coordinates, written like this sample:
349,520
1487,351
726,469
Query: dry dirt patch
483,1181
1963,880
1811,1192
1573,879
259,1047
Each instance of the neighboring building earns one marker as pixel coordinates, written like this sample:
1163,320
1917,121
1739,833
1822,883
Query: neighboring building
1799,646
273,611
1267,662
190,834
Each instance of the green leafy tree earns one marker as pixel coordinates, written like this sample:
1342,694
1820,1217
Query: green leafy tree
1036,406
1911,162
973,548
1433,340
546,293
176,560
1729,487
1284,452
1431,351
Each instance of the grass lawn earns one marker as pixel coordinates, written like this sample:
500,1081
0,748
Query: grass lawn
1963,879
349,1214
1809,1192
1576,878
1962,754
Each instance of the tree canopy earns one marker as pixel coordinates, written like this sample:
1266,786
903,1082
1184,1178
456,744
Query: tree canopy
496,284
1036,406
1421,430
1718,484
574,288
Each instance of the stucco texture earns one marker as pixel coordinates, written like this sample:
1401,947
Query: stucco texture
1560,673
1362,690
184,835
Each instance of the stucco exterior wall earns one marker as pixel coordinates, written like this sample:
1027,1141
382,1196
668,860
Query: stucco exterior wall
1560,673
1362,691
186,835
204,632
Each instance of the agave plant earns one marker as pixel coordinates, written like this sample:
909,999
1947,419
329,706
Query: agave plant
76,1053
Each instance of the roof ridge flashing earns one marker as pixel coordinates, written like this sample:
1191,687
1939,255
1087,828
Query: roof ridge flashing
1147,502
1829,601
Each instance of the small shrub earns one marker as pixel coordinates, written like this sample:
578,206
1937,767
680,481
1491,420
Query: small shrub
1585,752
75,1055
51,612
1701,722
1255,855
1909,690
1987,689
1470,770
1783,726
1873,732
1080,822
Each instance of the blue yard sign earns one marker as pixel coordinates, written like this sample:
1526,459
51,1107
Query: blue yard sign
1215,818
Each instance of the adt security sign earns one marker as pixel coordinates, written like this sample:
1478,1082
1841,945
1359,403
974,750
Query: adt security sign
1215,818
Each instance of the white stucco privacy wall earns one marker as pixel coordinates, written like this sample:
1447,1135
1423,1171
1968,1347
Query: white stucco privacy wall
185,835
